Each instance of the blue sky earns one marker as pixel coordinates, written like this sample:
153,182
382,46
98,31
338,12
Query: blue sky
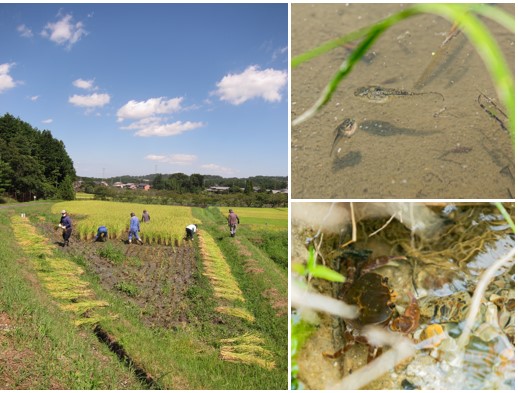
138,88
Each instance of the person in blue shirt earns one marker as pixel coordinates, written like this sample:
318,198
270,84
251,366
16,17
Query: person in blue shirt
102,234
66,224
134,229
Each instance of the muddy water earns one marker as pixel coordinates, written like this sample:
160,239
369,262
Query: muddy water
417,146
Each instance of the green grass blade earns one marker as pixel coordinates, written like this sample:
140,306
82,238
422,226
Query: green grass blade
326,47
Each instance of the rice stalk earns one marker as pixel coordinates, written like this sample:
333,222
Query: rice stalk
247,355
246,338
236,312
83,306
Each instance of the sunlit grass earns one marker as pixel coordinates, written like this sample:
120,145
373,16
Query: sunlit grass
261,217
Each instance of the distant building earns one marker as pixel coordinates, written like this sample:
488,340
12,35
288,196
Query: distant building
218,189
144,186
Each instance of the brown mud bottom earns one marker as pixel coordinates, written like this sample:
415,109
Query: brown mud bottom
142,375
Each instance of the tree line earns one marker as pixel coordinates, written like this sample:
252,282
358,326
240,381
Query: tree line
33,164
195,183
202,199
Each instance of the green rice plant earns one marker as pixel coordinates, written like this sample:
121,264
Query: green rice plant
465,15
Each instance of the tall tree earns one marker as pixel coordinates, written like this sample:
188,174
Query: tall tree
37,163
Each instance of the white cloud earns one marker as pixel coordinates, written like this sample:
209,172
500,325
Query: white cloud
6,81
161,129
154,106
84,84
47,121
34,98
89,101
24,31
64,31
215,169
151,117
177,159
252,83
279,52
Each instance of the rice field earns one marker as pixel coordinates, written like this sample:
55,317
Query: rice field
203,315
260,218
167,224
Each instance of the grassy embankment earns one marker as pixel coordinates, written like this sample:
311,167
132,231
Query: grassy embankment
262,281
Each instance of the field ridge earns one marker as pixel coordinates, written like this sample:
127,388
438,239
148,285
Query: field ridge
246,348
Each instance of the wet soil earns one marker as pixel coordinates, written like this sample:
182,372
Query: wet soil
155,278
417,146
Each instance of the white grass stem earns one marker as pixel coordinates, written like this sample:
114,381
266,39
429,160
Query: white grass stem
482,285
401,349
302,298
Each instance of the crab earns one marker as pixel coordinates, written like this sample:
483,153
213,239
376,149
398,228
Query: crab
371,293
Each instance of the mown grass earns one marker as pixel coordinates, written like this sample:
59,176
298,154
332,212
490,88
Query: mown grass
54,353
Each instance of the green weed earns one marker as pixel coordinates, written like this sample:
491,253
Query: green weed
128,288
112,253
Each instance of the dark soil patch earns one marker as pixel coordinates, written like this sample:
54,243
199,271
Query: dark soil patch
160,275
123,356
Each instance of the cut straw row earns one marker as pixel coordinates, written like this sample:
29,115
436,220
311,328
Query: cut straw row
59,276
247,348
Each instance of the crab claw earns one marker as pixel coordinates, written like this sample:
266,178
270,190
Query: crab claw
409,321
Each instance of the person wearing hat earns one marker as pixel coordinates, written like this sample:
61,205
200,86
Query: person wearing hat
190,230
66,224
232,220
134,228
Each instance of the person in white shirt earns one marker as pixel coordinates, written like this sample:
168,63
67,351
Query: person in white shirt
190,231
